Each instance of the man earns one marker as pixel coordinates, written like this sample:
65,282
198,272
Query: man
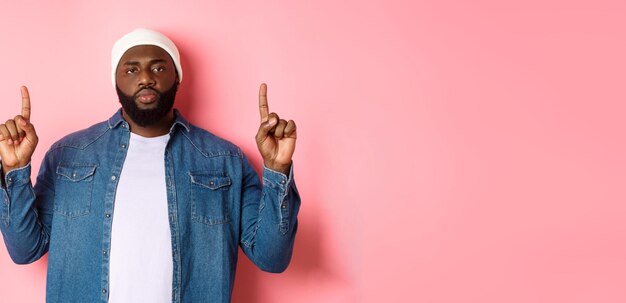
146,207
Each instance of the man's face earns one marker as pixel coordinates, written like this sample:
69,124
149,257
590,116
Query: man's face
146,84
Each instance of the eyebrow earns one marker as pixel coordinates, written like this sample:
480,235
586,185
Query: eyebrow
153,61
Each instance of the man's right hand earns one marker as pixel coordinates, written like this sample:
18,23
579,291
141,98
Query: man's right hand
18,138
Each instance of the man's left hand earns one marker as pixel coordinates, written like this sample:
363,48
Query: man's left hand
276,138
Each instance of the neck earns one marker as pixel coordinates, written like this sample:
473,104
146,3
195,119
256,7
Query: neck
158,129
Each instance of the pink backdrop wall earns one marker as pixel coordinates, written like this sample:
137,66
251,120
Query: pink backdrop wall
449,151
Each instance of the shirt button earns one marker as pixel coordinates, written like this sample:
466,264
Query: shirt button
73,175
113,178
108,215
284,205
10,179
123,145
282,181
211,183
104,252
104,291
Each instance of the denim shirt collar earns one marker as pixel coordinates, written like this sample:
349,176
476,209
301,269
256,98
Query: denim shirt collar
179,120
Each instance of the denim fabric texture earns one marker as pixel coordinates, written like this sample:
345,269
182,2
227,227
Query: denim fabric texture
216,203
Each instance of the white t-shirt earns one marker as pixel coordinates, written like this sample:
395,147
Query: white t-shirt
141,247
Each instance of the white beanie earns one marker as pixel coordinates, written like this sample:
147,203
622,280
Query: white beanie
142,36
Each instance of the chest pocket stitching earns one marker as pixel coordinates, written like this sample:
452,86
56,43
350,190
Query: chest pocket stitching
76,173
74,189
211,182
209,198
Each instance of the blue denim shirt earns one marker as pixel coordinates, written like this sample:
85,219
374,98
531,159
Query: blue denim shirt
216,203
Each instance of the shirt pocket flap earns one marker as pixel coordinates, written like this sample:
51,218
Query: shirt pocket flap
210,181
76,173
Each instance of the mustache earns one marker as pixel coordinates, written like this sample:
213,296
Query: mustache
146,90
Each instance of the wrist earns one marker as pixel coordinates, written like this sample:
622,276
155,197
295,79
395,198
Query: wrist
7,168
282,168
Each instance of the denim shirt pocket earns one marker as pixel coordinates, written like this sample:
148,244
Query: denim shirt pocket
74,188
210,197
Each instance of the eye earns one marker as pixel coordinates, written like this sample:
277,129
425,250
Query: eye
131,70
158,69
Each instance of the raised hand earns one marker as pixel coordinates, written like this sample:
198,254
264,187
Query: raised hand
276,138
18,138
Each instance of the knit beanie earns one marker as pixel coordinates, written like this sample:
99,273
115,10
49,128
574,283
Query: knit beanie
142,36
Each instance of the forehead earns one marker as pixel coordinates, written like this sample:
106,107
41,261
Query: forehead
146,53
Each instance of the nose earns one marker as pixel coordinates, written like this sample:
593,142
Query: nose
146,78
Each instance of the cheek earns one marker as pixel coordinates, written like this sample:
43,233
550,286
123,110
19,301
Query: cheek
167,81
124,86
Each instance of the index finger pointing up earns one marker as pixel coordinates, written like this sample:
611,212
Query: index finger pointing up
25,103
263,107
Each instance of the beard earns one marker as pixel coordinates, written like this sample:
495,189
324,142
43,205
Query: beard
148,117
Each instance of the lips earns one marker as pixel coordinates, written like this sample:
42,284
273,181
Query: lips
146,96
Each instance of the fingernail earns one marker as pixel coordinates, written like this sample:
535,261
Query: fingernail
272,121
22,121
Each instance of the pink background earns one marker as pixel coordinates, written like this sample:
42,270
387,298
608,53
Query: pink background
448,151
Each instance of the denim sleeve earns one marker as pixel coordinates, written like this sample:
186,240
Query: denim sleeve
269,217
26,217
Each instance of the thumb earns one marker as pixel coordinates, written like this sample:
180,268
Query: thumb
29,129
265,128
